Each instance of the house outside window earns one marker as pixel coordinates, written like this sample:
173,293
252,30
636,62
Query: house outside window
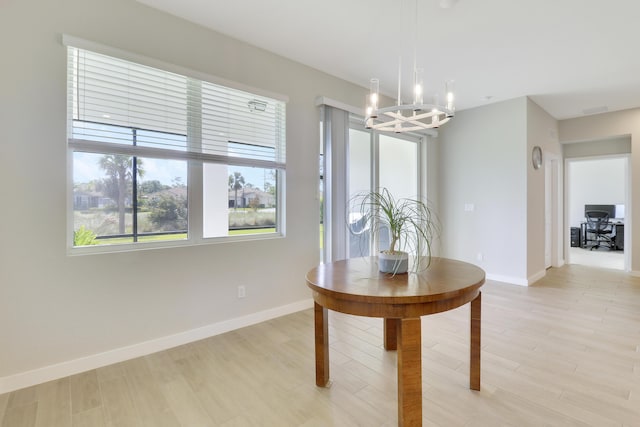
148,146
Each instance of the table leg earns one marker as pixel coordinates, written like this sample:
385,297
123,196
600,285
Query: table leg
474,363
391,334
322,344
409,372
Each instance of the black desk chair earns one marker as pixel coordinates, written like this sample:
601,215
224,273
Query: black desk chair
599,226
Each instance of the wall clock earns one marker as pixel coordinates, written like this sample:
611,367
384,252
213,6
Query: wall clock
536,157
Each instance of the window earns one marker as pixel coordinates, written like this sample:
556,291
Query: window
159,156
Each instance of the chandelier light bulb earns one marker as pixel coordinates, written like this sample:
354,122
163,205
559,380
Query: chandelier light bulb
374,88
450,98
418,84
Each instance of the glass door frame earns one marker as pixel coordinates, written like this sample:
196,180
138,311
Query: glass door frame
338,248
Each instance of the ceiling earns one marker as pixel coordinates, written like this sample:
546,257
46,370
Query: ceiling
572,57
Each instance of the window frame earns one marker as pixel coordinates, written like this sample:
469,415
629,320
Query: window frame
195,166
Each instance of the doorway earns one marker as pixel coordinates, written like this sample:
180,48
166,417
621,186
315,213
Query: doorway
598,181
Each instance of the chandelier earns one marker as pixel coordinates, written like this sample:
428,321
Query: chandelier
408,117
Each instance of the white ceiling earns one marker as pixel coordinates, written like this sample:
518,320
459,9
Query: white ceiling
567,55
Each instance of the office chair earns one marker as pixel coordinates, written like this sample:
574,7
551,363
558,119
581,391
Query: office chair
598,225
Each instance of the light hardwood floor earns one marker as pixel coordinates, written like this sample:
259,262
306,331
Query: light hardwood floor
564,352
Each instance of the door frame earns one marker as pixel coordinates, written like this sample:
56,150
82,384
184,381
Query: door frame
554,239
627,203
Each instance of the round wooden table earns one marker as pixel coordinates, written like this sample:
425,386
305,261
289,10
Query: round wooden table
355,286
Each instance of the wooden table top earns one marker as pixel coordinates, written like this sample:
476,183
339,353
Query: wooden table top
358,280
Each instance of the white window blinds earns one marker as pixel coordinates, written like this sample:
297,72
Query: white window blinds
124,107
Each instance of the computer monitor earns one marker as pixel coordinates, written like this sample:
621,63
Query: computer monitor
610,209
619,212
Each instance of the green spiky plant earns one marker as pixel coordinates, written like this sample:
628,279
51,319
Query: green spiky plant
411,223
84,237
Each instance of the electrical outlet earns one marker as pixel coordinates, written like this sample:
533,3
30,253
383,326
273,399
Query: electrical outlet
480,256
242,291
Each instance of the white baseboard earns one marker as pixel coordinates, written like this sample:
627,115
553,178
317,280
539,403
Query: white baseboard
508,279
539,275
635,273
71,367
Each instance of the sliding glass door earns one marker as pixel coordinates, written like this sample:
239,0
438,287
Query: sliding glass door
358,160
359,170
398,165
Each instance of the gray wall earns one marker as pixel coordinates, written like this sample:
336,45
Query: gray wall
611,146
56,308
483,157
486,161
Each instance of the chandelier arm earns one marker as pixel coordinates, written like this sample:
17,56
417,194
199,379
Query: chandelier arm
424,115
407,124
404,129
445,120
401,118
395,129
430,125
413,107
395,120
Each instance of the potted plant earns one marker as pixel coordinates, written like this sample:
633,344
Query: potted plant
410,223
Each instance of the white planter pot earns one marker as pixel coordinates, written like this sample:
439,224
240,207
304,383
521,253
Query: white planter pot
396,263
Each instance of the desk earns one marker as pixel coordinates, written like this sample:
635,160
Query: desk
355,286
